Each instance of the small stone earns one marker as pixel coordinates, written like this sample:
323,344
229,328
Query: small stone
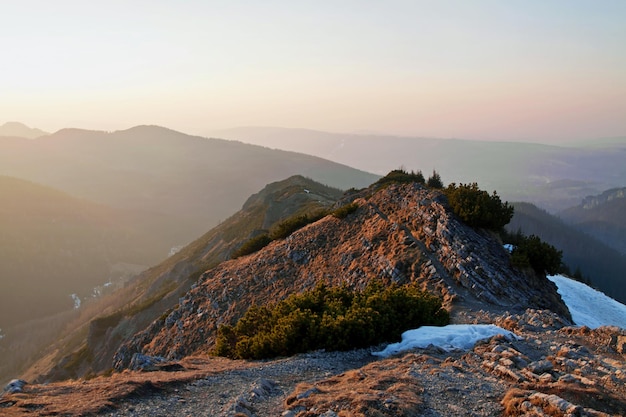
541,366
546,378
308,393
15,386
568,378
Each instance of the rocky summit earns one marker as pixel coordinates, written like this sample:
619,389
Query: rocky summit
402,233
399,233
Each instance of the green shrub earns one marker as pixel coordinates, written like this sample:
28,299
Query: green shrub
343,211
290,225
335,318
253,245
402,176
531,251
279,231
434,181
477,208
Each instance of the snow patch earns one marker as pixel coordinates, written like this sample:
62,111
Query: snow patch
76,300
451,337
589,307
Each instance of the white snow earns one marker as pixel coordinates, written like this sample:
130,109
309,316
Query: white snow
450,337
76,300
589,307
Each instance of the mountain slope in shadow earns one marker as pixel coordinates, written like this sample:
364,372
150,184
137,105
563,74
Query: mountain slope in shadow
602,265
197,180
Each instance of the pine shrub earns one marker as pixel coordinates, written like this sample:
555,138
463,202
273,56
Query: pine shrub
434,181
336,318
402,176
345,210
252,245
477,208
531,251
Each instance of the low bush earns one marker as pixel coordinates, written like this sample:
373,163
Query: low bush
531,251
336,318
402,176
343,211
253,245
278,231
290,225
434,181
477,208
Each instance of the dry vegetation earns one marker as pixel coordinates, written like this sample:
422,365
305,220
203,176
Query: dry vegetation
379,389
89,397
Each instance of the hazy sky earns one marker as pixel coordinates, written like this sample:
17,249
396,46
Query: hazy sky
539,70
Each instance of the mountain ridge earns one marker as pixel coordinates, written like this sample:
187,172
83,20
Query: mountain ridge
398,233
553,177
87,164
425,244
17,129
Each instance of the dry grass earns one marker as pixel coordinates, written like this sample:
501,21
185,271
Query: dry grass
557,400
376,390
88,397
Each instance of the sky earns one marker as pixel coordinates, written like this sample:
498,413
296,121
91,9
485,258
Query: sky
528,70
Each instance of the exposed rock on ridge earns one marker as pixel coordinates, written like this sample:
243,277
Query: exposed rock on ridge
402,233
609,195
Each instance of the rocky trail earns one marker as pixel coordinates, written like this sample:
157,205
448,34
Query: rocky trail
549,370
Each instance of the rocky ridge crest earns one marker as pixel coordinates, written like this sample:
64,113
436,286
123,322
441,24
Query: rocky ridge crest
400,233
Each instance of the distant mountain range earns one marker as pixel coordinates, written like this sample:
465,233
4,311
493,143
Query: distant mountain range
197,181
20,130
81,202
551,177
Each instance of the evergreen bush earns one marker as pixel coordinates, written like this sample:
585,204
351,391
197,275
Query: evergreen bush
343,211
540,256
402,176
336,318
477,208
252,245
434,181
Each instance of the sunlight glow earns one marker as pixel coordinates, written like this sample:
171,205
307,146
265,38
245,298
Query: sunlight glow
479,70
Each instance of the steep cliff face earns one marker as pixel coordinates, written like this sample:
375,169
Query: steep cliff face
402,233
607,196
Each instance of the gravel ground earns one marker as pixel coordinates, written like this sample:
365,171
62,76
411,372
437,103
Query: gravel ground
551,370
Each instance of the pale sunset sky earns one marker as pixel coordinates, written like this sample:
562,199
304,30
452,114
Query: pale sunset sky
538,70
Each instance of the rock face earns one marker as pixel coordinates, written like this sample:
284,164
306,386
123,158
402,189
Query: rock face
401,233
610,195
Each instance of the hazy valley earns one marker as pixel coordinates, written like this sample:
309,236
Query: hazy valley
553,177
